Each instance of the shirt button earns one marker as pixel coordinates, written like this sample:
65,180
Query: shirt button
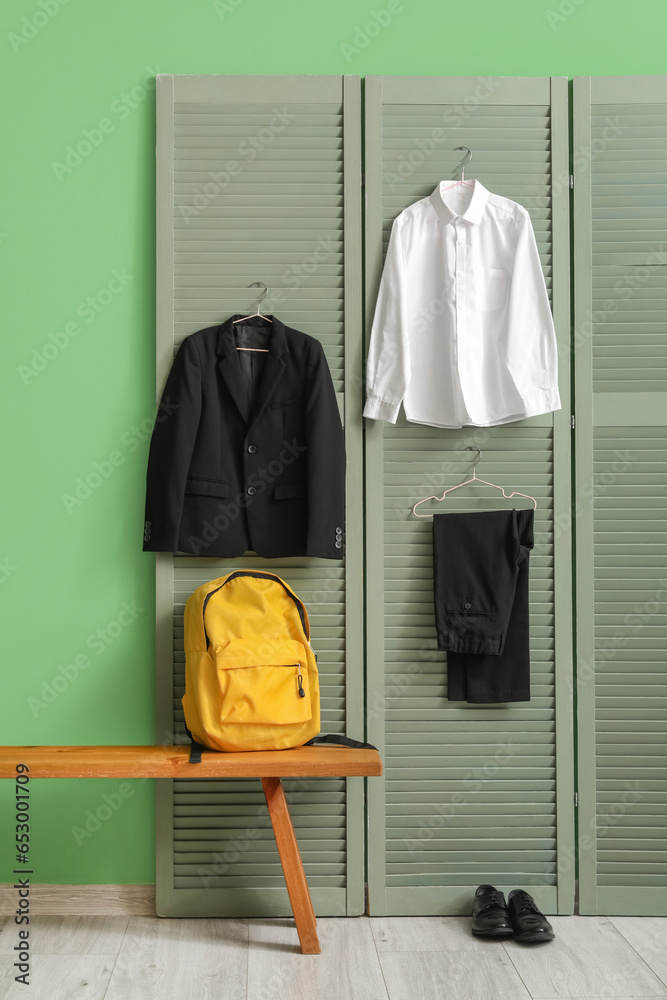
251,491
460,305
460,274
460,243
252,448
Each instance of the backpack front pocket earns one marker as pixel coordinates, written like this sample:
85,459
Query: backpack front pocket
263,682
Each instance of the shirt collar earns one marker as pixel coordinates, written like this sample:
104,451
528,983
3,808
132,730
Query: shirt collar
473,212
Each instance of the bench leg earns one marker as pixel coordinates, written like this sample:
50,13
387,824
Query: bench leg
290,859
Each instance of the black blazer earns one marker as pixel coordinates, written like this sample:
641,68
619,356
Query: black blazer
247,450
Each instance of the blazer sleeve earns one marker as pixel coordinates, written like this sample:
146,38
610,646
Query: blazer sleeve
326,461
170,450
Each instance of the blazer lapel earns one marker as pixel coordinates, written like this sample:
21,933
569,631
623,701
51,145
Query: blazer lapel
274,367
230,368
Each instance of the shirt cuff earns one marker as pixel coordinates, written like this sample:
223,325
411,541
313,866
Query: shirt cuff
381,409
542,402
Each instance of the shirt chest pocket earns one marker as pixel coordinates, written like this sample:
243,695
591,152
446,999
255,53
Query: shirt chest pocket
491,288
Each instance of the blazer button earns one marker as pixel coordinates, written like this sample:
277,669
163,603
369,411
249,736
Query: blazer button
338,543
252,448
467,606
251,491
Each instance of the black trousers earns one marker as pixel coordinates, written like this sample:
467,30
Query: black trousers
480,568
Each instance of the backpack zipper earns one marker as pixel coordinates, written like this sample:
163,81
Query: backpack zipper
299,676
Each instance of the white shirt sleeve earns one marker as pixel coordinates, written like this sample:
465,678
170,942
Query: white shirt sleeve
532,352
388,366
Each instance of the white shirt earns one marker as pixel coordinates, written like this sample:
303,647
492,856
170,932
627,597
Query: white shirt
463,332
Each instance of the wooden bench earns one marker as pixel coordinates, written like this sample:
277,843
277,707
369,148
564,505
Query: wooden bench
172,762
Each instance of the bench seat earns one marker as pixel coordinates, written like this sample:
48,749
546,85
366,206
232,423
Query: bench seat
173,762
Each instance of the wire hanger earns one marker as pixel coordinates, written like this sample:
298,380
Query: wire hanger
475,479
463,173
260,350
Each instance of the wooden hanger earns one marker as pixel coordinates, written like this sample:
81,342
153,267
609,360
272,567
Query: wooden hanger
474,479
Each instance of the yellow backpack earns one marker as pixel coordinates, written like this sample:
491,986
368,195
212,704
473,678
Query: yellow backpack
251,679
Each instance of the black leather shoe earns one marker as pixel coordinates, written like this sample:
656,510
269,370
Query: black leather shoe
489,913
528,924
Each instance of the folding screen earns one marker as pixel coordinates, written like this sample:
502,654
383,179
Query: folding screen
620,334
471,793
259,179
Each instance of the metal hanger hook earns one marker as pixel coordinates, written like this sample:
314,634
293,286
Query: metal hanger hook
256,284
473,447
467,160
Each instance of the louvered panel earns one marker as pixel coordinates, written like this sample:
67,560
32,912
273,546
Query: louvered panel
216,823
630,635
629,313
469,791
471,755
259,179
621,364
243,150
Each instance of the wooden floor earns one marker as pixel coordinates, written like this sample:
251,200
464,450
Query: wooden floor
393,958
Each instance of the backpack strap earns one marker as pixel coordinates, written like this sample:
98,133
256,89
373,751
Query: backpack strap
196,749
196,752
328,739
323,740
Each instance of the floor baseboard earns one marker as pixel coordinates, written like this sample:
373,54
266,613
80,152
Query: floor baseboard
66,900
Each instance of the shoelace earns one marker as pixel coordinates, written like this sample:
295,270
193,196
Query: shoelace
492,900
527,904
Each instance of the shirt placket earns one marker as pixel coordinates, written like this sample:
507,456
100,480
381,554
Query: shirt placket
460,311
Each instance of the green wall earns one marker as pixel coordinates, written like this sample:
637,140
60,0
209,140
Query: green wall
78,327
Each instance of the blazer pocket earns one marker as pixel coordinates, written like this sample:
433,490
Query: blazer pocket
287,491
207,487
283,402
492,283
